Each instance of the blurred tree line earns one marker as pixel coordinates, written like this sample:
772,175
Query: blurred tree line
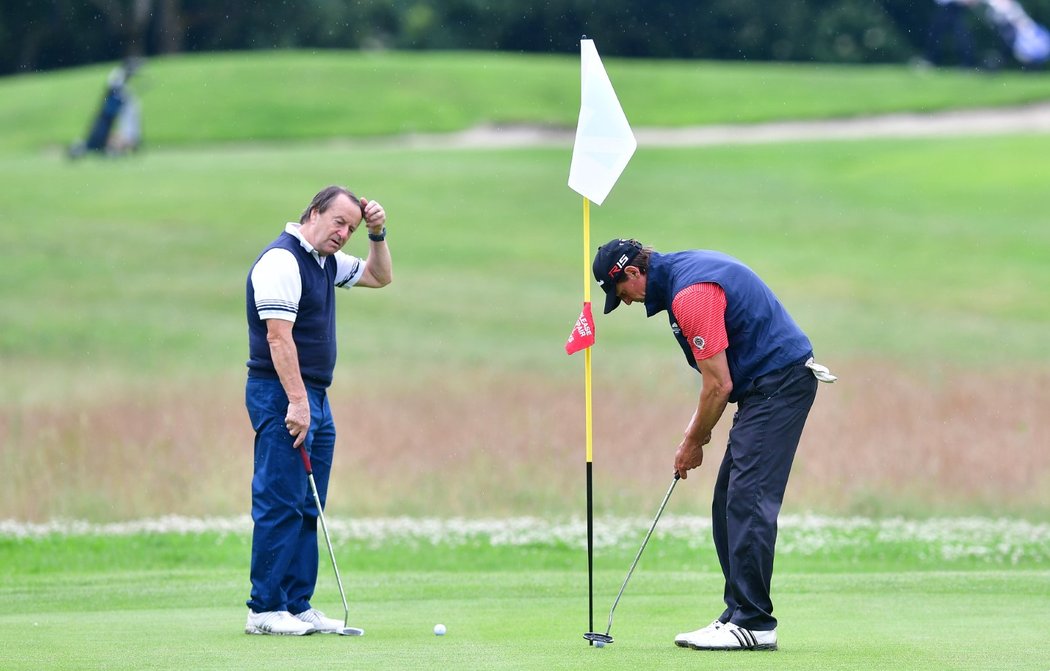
46,34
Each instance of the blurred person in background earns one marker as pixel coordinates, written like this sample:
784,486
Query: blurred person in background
1028,41
117,126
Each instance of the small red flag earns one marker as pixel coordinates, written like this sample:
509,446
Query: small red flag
582,335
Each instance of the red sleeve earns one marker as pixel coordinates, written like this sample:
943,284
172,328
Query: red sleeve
700,311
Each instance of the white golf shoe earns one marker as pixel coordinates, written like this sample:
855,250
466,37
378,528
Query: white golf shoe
276,623
683,640
731,637
321,623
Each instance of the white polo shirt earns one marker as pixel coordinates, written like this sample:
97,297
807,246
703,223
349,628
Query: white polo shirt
278,285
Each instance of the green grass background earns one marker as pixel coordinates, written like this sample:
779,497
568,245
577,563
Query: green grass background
119,276
912,249
291,96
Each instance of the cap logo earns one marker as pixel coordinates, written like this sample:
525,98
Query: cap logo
618,266
698,342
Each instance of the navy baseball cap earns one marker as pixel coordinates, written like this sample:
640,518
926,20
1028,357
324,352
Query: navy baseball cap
609,262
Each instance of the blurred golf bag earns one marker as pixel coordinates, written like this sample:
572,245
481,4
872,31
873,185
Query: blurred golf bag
1029,41
117,127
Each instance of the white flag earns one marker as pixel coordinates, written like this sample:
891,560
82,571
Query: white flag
604,141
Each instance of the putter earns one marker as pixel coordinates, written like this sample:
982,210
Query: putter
596,637
347,630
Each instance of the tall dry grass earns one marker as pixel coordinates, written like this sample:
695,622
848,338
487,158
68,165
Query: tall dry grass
882,440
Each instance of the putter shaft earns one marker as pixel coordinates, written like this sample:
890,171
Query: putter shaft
331,552
347,630
638,556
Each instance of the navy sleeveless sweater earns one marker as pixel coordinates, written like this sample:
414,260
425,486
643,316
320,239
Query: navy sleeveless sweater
314,329
762,335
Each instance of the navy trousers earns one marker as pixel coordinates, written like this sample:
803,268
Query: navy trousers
750,487
284,536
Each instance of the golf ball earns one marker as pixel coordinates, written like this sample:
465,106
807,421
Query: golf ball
439,630
599,644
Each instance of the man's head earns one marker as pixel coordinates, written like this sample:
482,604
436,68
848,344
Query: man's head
620,266
330,218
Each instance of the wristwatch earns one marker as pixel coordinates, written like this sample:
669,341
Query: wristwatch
377,237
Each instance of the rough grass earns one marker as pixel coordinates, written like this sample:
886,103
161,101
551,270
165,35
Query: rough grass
883,440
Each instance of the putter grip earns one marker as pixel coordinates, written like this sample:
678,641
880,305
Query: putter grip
306,460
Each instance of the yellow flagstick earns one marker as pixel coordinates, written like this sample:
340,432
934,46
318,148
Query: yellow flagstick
587,299
604,144
587,416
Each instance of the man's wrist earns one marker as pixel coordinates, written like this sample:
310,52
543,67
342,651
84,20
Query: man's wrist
696,438
377,237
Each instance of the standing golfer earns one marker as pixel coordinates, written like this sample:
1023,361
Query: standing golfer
735,332
292,345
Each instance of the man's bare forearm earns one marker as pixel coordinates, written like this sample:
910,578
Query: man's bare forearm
286,362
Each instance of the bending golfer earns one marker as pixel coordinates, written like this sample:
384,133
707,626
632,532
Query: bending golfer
291,337
735,332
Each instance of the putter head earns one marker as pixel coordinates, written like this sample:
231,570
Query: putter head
350,631
595,637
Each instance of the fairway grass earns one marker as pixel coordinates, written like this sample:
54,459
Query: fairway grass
522,620
899,249
182,608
